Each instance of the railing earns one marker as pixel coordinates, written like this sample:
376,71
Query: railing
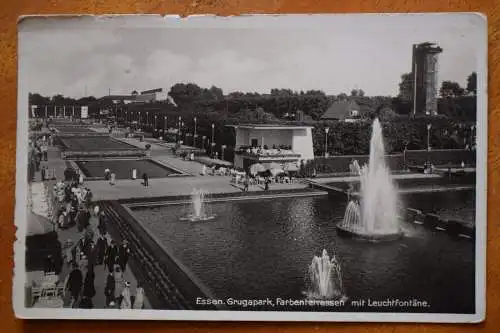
84,134
264,155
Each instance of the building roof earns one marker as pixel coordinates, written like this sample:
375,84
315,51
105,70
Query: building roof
269,126
340,110
122,97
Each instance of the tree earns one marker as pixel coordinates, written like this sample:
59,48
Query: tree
451,89
406,87
341,97
472,83
37,99
216,93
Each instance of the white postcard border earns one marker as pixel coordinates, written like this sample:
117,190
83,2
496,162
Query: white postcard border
251,21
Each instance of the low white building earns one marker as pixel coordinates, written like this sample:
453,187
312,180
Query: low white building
285,145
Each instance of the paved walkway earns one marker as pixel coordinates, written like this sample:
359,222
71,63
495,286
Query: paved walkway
101,273
99,300
125,189
163,154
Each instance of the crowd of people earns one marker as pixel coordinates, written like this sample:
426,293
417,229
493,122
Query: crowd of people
85,256
72,206
94,248
38,153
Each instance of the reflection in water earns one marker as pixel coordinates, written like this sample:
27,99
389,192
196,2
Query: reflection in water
262,248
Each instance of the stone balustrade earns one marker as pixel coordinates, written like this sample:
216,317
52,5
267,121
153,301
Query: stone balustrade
166,284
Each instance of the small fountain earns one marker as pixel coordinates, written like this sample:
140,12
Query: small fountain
325,278
198,208
373,214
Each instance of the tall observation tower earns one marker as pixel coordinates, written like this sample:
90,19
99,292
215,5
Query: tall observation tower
425,75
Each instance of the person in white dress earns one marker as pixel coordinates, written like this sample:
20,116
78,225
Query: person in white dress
139,298
126,302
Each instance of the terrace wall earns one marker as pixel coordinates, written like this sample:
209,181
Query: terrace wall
167,285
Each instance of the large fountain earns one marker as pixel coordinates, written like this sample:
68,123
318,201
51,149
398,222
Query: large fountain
325,278
372,212
198,208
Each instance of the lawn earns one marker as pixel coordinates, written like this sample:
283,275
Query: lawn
123,168
92,143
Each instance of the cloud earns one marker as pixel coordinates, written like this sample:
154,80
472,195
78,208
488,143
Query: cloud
74,60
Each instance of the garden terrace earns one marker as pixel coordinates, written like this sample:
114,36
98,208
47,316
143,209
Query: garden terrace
94,170
94,143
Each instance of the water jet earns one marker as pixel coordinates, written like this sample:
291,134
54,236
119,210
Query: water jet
325,278
198,209
372,213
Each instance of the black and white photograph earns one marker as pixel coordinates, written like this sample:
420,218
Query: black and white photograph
252,168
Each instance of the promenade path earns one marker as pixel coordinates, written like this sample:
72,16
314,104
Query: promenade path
173,186
162,151
99,301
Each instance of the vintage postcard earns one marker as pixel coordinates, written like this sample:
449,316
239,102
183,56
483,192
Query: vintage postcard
252,168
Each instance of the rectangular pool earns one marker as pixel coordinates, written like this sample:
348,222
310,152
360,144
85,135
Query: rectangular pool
93,143
255,249
123,168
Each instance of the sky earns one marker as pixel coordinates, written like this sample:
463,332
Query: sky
77,58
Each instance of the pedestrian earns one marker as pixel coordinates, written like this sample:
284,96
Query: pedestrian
139,297
145,178
126,303
107,174
113,179
266,184
102,225
246,185
86,244
74,283
111,254
70,259
50,265
119,284
109,290
44,173
85,220
88,284
84,264
44,152
100,249
123,254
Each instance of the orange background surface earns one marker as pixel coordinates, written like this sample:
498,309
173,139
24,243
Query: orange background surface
11,9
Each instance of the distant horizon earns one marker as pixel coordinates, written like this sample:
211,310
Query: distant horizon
268,93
